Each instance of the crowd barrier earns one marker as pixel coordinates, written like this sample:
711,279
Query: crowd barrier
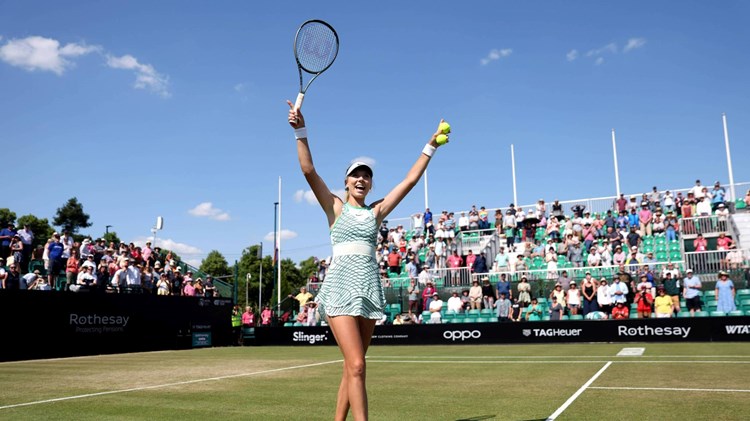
705,329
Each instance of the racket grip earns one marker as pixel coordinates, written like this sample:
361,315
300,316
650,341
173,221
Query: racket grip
300,99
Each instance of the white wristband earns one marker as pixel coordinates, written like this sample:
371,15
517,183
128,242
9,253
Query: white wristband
300,133
429,150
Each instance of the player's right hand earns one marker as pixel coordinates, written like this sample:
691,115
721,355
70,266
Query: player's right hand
296,120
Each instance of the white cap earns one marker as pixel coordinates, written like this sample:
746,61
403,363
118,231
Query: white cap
356,165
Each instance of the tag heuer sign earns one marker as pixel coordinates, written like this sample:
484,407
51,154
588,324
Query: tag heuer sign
526,332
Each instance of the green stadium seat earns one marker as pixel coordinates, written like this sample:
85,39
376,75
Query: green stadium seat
675,255
717,314
297,324
576,317
740,204
747,313
288,324
473,313
633,314
481,320
469,320
673,246
546,318
701,314
456,320
485,312
565,317
662,256
745,304
736,313
683,314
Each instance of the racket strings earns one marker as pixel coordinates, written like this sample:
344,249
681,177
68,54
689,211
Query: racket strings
316,47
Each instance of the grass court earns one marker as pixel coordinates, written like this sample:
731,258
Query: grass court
681,381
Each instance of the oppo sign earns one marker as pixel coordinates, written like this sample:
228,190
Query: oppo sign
461,335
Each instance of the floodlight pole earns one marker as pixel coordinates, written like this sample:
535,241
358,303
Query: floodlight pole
617,171
729,157
260,276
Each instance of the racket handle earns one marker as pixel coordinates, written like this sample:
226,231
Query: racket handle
298,103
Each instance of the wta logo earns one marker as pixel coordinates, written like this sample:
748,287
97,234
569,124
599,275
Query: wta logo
461,335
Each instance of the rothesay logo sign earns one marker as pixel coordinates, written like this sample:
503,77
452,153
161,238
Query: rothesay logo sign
461,335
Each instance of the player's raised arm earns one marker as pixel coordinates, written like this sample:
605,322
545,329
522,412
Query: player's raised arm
395,196
328,201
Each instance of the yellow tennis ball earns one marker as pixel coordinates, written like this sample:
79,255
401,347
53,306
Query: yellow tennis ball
441,139
445,128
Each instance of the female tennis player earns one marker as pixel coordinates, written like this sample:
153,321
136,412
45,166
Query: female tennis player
351,298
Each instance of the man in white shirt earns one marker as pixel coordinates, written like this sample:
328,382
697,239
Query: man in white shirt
463,222
435,306
27,237
697,190
703,207
454,303
618,291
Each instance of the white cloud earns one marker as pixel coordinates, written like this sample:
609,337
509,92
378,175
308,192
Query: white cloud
495,54
599,61
207,210
609,48
572,55
285,235
168,244
366,159
634,43
146,77
306,195
240,87
44,54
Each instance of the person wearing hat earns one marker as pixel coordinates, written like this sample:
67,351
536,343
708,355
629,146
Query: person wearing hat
734,258
427,293
644,301
353,237
559,294
718,195
603,296
573,299
620,311
725,293
435,306
691,292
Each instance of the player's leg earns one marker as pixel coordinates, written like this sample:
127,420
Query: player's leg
350,334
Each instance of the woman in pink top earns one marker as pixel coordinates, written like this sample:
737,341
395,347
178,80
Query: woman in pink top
723,242
700,243
265,316
644,217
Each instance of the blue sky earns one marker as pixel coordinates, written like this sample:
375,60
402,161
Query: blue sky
176,109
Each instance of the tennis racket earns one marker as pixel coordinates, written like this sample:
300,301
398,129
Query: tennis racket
316,46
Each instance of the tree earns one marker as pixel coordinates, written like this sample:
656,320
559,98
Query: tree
308,267
215,264
250,263
111,237
40,227
6,217
70,217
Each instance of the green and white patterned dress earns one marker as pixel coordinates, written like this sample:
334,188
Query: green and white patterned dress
352,286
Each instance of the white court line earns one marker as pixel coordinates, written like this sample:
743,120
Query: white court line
578,393
375,360
561,356
136,389
676,389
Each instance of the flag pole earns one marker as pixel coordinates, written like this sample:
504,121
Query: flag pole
513,166
729,157
278,259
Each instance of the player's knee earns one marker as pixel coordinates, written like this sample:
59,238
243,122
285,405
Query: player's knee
356,367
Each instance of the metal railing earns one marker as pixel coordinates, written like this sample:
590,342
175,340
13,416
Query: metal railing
594,204
705,225
715,260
